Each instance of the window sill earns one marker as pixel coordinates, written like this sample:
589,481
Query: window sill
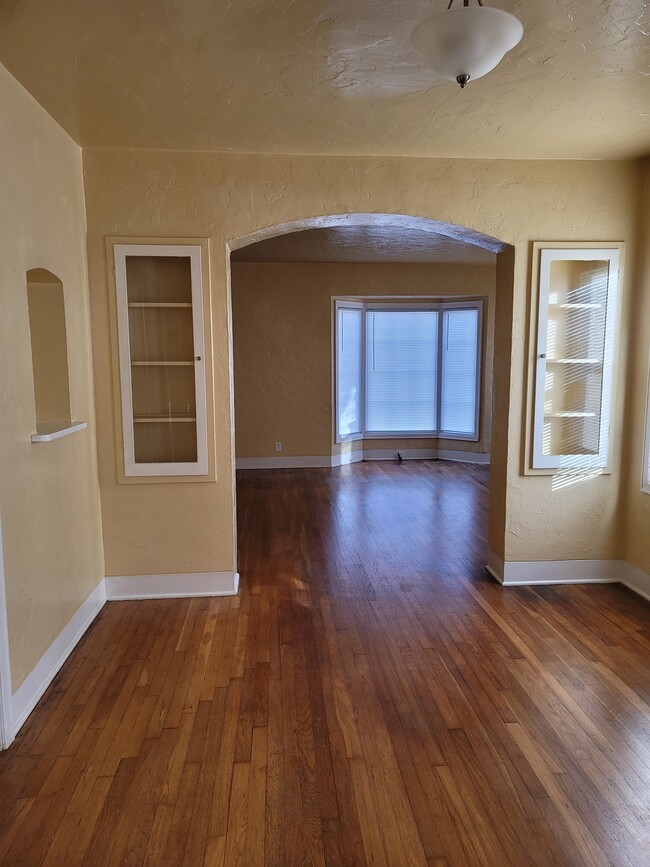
46,433
396,435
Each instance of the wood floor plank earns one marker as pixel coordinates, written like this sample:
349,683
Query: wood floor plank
371,697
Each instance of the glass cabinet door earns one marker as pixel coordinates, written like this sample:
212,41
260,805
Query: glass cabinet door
575,346
162,364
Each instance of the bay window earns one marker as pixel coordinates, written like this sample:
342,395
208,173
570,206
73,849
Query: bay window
407,370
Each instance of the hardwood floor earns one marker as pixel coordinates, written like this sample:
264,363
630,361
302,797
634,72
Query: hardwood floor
371,697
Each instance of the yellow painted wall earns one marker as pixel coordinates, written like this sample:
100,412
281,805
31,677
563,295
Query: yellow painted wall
637,517
49,345
185,527
500,462
282,326
49,495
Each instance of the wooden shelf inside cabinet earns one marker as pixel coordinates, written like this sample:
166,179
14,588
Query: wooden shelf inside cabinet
174,305
162,363
162,419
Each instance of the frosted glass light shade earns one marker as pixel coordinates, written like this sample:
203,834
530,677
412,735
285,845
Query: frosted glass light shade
468,41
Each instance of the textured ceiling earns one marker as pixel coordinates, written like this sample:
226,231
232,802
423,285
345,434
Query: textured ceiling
362,244
331,76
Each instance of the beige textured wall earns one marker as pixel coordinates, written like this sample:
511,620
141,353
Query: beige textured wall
49,345
637,540
282,326
49,496
184,527
502,373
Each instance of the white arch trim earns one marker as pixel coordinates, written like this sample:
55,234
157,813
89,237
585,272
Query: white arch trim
420,224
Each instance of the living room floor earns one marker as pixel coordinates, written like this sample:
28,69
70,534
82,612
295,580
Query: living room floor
370,697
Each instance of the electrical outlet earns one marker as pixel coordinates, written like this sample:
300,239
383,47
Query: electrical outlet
278,447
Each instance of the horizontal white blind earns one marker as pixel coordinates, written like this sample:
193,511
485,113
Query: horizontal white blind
401,370
459,370
349,371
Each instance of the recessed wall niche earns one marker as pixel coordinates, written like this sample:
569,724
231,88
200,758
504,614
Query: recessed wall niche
49,349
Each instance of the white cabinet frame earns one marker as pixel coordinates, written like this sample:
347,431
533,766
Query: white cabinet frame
566,252
194,253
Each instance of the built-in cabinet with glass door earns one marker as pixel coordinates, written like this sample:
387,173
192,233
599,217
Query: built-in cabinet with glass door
161,347
575,346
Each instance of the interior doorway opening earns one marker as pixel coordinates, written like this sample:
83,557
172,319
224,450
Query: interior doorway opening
424,295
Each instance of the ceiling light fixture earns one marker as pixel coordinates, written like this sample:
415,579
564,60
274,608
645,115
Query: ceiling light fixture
467,42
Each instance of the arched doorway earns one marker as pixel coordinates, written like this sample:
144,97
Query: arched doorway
381,230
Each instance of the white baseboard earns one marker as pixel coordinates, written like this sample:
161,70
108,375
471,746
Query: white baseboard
527,573
636,579
522,574
426,455
25,699
407,454
353,457
463,457
6,702
345,458
173,586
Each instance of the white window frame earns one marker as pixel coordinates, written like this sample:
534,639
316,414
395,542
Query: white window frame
349,305
440,307
131,467
548,254
645,470
449,434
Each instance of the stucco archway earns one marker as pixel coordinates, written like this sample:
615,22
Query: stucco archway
503,326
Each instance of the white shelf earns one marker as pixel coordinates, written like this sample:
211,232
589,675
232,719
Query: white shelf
569,415
162,363
157,304
574,361
155,419
577,306
46,433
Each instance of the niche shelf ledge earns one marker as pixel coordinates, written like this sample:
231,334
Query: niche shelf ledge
46,433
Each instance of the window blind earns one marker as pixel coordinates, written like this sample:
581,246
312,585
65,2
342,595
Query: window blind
459,370
349,371
401,370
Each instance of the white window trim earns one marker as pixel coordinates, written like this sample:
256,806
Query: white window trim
645,469
349,305
440,306
601,460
